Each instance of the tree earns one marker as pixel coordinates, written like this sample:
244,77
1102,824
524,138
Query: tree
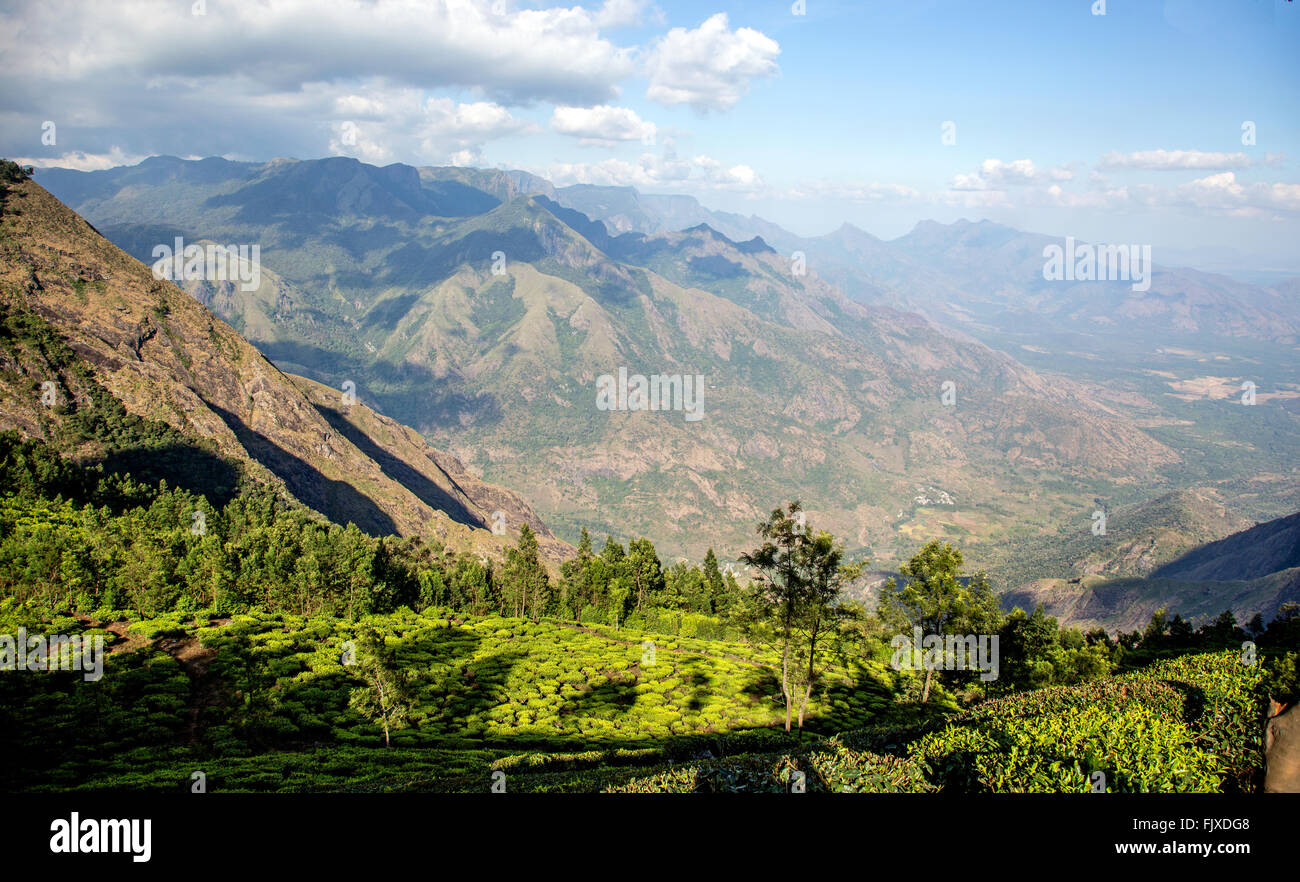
526,583
719,601
645,571
575,579
615,580
1222,632
385,694
781,585
936,600
1026,647
819,610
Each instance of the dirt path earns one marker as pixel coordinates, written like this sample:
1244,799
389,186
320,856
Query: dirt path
205,690
190,654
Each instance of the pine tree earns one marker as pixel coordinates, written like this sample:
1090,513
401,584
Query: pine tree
719,601
525,579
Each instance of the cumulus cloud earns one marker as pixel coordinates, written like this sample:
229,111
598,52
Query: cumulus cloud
549,54
995,174
384,125
1223,192
81,161
602,124
622,14
710,67
265,79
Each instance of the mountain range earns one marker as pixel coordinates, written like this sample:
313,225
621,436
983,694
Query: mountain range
481,306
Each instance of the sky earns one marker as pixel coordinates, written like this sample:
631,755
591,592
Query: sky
1173,123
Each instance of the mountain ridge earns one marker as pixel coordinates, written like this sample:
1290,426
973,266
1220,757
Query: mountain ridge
487,332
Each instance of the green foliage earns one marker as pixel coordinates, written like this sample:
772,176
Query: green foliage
1187,725
273,595
938,600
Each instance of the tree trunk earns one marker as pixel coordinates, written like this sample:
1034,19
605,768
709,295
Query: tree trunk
925,691
785,683
812,668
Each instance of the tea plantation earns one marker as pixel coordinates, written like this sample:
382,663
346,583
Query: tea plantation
263,702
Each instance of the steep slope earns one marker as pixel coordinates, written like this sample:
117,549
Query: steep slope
1253,570
1262,549
165,357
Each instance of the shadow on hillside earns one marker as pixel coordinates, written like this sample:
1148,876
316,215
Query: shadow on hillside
409,393
421,264
424,489
469,685
613,697
699,681
337,500
388,313
182,466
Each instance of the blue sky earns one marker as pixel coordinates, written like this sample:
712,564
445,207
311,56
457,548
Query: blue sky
1125,126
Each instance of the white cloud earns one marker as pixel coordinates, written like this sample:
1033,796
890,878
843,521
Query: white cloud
621,14
1223,192
1167,160
710,67
1100,195
665,172
80,161
382,125
602,124
995,174
553,54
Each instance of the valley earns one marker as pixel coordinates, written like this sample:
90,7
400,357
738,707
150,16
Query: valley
385,278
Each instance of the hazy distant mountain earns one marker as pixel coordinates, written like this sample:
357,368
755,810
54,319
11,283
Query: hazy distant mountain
980,275
385,277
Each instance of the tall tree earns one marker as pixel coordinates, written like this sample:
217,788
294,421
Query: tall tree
575,579
645,571
781,586
525,579
820,610
717,588
938,601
